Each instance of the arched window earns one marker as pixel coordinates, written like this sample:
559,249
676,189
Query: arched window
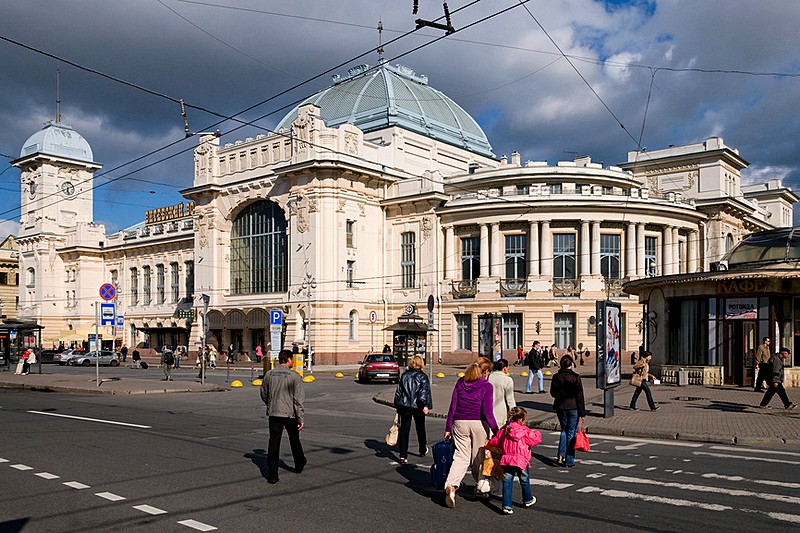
728,242
31,277
353,326
258,250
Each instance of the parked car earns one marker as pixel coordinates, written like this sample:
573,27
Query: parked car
49,356
379,366
107,357
64,357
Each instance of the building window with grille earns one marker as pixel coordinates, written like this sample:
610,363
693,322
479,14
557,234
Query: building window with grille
3,278
564,330
609,256
408,263
174,285
512,330
564,255
470,257
516,260
350,233
134,286
463,332
353,326
351,271
651,256
146,285
259,250
159,284
555,188
189,266
523,189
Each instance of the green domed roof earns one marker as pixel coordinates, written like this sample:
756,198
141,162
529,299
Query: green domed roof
383,96
58,140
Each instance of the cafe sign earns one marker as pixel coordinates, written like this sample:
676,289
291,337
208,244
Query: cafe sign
741,308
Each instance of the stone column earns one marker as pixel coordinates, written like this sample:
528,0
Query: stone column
496,256
533,249
595,258
547,250
484,251
449,252
640,266
584,248
676,253
667,266
691,250
630,249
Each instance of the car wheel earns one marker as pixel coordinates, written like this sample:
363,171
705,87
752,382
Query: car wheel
61,364
85,362
114,363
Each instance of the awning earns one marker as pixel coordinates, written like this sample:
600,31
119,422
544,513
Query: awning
410,323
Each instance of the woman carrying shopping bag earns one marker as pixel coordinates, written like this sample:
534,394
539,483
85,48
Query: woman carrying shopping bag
412,399
567,392
641,374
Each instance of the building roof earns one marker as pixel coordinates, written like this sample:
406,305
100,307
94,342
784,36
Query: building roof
58,140
774,246
375,98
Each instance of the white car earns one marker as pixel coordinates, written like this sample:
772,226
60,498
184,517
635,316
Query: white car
107,357
64,357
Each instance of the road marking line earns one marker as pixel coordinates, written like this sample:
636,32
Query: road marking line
709,489
601,463
76,485
785,517
650,469
545,483
21,467
3,460
751,450
194,524
110,496
595,476
657,499
47,475
149,509
678,443
633,446
91,419
747,458
785,484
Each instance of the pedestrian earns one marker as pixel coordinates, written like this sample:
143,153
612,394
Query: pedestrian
471,411
552,355
567,391
503,386
28,358
762,365
413,399
231,353
259,354
535,364
387,348
640,378
520,357
571,352
167,360
775,382
124,353
282,392
136,357
515,441
212,358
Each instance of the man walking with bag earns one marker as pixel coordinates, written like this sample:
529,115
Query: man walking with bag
763,366
282,392
775,381
535,364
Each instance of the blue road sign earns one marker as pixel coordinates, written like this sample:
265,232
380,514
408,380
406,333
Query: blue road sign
120,321
108,314
108,291
275,317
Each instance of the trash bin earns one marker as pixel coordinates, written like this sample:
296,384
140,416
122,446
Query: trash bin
683,378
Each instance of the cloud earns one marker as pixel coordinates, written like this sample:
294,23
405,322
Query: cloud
8,227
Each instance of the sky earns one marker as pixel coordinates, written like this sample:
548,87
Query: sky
551,80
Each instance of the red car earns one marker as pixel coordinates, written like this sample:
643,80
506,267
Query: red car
379,366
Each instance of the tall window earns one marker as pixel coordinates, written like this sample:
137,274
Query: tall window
470,257
564,330
408,262
351,272
134,286
555,188
189,266
159,284
564,255
114,278
146,284
31,277
258,250
512,330
516,263
350,233
174,285
353,326
463,332
728,242
609,256
650,256
3,278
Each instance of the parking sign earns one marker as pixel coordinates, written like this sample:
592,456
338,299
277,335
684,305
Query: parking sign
275,317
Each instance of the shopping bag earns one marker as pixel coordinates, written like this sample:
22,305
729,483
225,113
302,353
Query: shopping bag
391,436
581,440
636,379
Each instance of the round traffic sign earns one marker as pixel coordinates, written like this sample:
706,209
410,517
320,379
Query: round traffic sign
430,302
373,317
108,291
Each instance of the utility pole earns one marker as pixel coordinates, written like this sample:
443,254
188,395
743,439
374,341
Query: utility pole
204,332
308,284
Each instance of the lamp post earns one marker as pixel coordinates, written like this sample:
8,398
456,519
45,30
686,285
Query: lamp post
309,283
205,298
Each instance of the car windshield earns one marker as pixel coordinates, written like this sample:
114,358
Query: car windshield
380,358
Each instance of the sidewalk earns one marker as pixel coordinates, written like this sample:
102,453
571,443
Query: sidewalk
728,415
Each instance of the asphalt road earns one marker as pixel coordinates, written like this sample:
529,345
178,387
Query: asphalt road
191,462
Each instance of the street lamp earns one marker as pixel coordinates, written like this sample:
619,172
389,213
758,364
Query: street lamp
205,298
309,283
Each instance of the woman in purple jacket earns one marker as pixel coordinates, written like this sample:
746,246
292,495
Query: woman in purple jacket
470,413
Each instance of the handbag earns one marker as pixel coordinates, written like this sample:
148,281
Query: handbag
636,378
394,429
581,440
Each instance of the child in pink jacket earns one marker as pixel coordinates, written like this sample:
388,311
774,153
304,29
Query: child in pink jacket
515,440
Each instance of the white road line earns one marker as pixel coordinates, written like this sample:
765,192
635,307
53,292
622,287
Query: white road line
110,496
751,450
656,499
633,446
47,475
681,444
604,463
784,484
76,485
708,489
149,509
747,458
100,420
3,460
785,517
21,467
595,476
199,526
555,485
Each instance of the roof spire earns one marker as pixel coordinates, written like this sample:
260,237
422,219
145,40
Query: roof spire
380,41
58,96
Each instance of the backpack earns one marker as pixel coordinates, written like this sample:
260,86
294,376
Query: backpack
169,359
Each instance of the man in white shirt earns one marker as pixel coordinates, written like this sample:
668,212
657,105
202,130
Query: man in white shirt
503,387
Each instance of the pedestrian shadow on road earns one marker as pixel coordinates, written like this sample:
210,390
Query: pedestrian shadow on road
381,449
546,461
728,407
259,458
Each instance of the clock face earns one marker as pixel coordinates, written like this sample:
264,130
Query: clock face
32,189
68,188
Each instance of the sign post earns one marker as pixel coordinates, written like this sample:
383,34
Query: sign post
109,317
205,299
431,329
275,330
373,317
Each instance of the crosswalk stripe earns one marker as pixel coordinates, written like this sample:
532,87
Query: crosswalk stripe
22,467
199,526
554,484
785,484
612,493
110,496
709,489
747,458
751,450
605,463
47,475
76,485
149,509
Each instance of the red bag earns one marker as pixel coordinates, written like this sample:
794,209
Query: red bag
581,440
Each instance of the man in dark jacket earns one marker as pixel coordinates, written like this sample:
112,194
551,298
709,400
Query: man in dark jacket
535,364
775,381
282,392
412,399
